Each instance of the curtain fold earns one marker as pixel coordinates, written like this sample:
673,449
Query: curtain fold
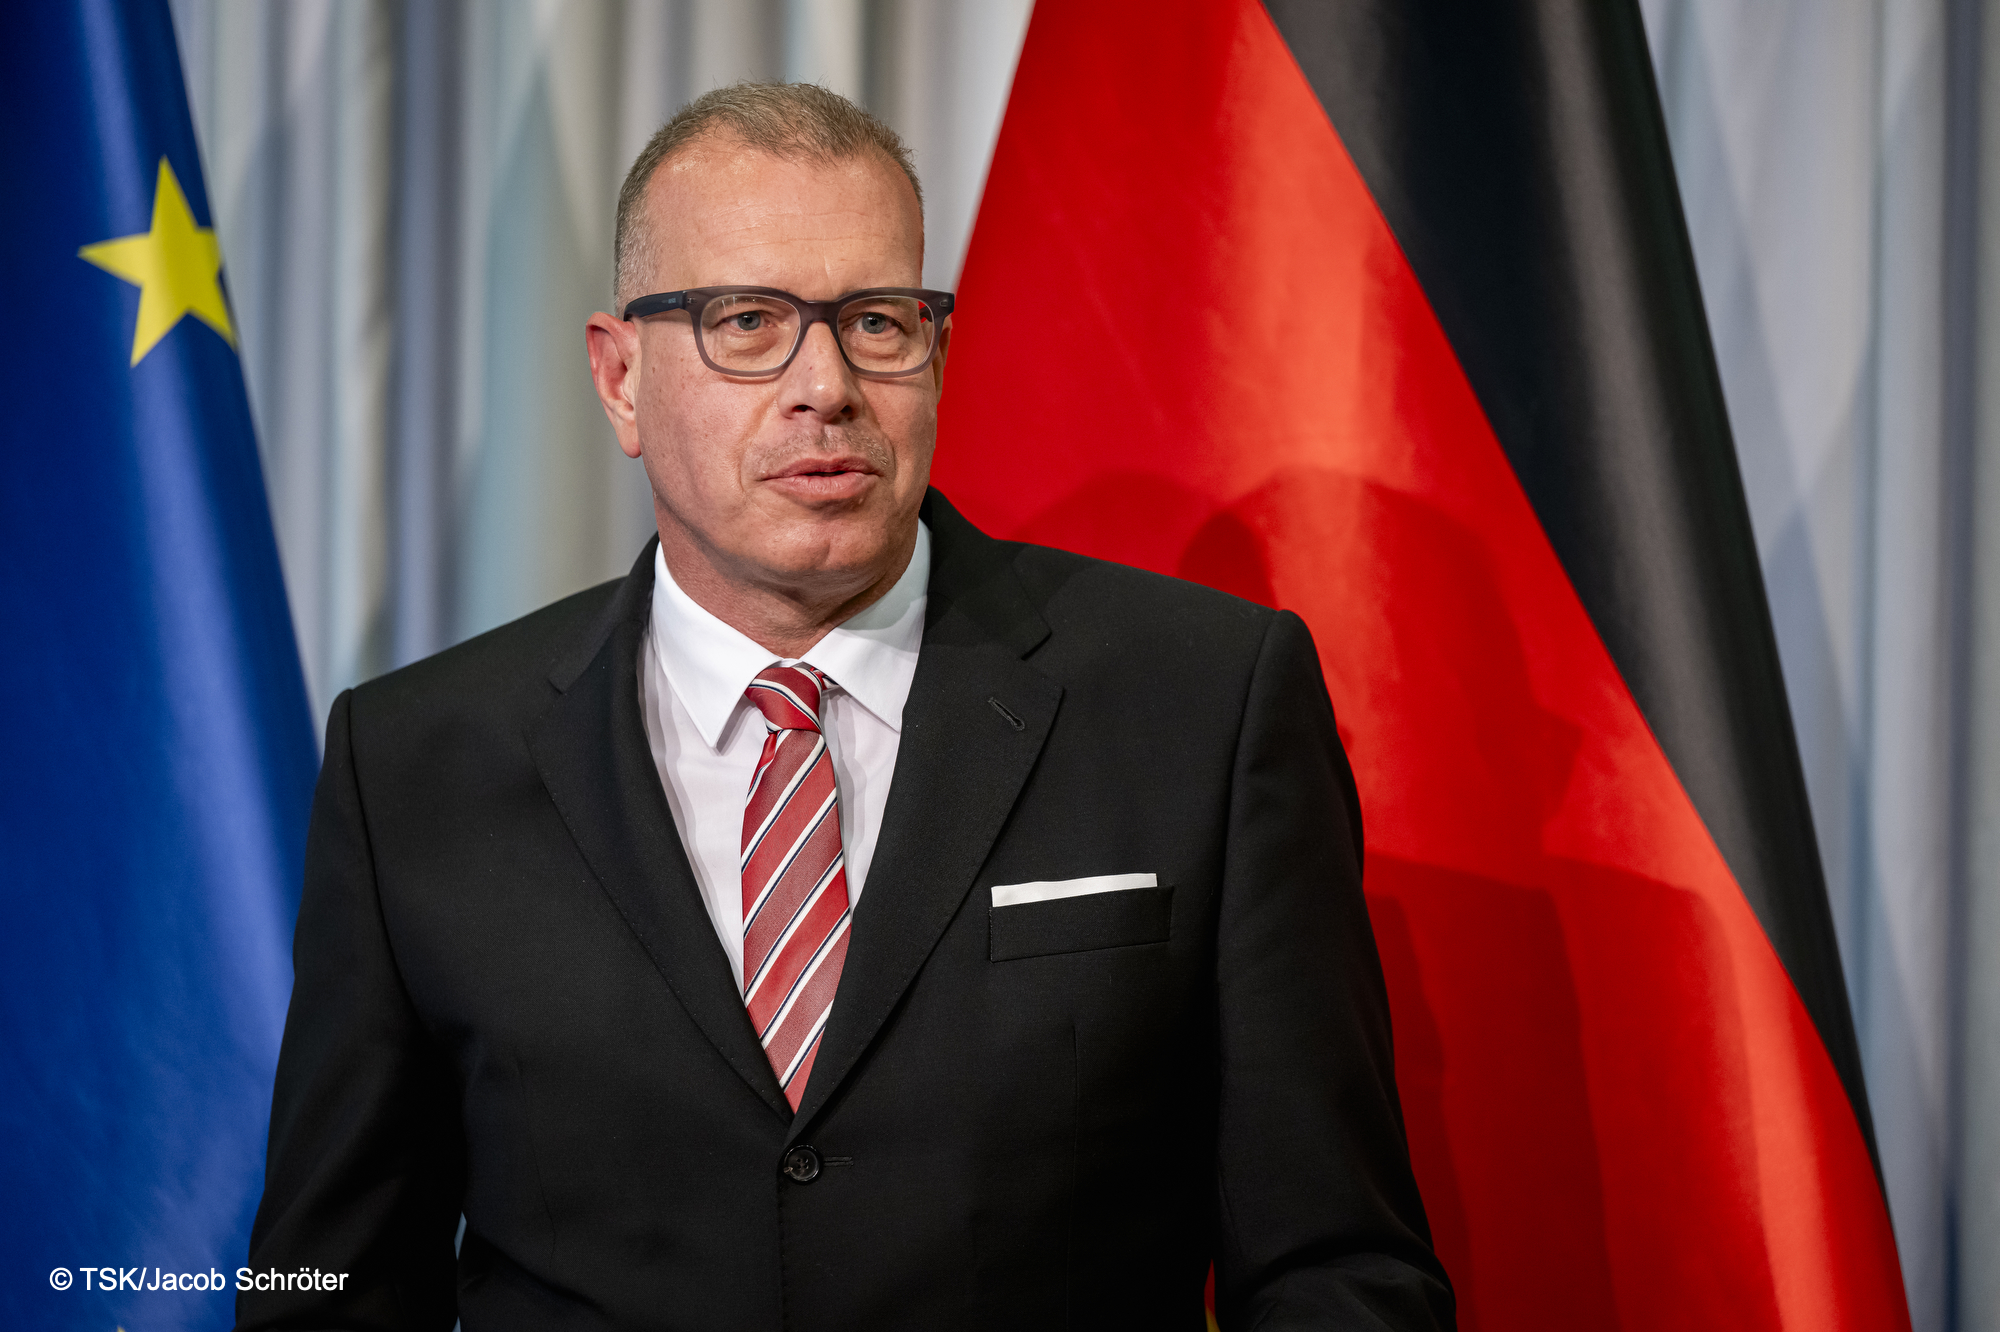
1976,1185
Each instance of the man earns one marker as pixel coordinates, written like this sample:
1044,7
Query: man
846,920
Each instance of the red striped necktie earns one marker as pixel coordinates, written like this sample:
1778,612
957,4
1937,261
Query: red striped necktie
794,877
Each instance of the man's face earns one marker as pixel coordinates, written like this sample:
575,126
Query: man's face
807,482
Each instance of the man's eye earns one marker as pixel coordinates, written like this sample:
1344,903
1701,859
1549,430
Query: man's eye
749,321
874,323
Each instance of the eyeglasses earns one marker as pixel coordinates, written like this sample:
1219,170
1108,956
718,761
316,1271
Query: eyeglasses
883,332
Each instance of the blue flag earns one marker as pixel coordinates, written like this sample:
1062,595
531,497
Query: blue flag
156,752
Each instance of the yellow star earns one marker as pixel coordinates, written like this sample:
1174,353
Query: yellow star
174,266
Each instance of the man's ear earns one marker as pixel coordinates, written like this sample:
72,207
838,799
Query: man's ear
614,370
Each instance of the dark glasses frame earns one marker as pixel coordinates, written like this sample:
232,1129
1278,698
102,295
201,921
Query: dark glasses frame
810,312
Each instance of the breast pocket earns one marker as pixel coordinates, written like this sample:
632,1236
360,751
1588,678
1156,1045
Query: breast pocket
1039,924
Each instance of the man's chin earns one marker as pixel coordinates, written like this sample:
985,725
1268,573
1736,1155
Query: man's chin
831,550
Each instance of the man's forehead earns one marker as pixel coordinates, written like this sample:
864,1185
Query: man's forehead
731,176
723,198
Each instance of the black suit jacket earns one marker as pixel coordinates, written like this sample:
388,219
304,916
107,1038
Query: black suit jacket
511,1004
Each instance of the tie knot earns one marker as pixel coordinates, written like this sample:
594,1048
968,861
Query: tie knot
788,696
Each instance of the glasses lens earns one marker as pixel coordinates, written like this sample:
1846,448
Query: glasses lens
748,334
885,335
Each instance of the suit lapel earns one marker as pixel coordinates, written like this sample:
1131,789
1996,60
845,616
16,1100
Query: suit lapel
590,746
960,765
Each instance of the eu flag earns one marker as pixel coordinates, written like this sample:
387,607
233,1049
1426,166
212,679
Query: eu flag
156,752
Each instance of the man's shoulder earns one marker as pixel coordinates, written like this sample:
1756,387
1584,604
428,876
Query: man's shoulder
503,671
1080,592
1083,599
1125,642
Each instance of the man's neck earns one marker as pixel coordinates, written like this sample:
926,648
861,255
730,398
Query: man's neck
785,617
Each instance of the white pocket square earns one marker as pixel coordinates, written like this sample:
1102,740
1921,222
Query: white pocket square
1048,890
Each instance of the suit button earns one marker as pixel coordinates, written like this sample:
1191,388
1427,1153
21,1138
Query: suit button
802,1165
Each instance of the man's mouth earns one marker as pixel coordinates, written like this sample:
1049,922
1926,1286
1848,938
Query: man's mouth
844,477
838,466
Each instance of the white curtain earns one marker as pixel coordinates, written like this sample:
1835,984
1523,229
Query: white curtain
1829,161
414,203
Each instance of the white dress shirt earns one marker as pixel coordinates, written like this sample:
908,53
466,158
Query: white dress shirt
706,737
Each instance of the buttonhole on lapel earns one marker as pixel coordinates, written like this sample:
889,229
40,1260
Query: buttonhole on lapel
1012,720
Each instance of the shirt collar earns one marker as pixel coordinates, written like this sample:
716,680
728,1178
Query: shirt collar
872,656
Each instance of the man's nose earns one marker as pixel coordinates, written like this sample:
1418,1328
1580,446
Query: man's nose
819,381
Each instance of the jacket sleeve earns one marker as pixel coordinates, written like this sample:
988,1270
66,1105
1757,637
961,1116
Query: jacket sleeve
1320,1222
365,1168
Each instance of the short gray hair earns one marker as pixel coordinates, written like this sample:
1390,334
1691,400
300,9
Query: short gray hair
796,121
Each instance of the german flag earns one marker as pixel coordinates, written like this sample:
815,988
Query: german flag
1384,311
